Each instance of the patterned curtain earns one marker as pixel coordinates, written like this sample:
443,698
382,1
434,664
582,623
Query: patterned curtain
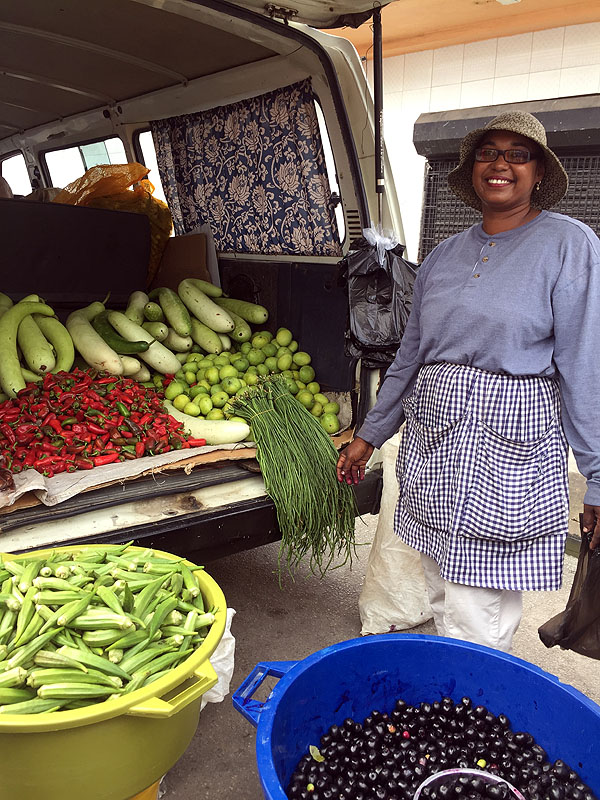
254,170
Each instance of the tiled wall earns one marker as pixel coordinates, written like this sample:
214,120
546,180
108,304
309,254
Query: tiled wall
531,66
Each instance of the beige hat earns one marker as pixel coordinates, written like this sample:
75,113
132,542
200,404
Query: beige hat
555,182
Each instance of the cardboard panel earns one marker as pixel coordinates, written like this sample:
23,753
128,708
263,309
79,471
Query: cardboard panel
183,257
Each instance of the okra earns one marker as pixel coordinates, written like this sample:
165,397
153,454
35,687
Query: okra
174,618
132,663
137,681
205,619
62,571
96,662
128,599
29,573
189,625
177,640
189,580
54,659
60,583
46,572
31,631
4,574
176,583
13,677
101,638
72,611
60,598
176,630
26,613
157,676
110,599
10,601
145,596
64,691
159,615
15,696
7,625
3,651
131,639
115,655
92,622
124,575
26,653
41,677
154,568
167,660
14,568
35,706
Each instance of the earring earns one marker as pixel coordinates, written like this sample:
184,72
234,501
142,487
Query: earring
537,186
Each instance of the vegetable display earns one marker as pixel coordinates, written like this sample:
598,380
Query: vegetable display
82,627
80,420
315,512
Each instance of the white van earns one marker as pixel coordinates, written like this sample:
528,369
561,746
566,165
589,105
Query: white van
88,83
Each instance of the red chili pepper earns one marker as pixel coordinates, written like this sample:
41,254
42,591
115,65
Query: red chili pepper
109,458
8,433
139,449
84,463
48,418
196,442
93,428
55,425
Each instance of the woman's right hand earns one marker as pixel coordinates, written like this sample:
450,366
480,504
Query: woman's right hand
353,460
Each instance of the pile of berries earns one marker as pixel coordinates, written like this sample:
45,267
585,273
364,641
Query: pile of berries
389,756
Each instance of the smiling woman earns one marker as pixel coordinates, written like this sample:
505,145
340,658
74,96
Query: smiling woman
492,381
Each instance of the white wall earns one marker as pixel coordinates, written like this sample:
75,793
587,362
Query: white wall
531,66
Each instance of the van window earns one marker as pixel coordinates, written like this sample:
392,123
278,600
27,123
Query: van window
146,146
14,171
69,163
331,171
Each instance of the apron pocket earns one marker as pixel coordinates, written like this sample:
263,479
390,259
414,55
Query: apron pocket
426,470
513,493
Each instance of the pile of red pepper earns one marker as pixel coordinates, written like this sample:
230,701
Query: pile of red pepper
83,419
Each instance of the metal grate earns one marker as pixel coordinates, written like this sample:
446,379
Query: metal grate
444,214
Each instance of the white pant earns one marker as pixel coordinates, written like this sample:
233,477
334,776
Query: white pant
483,616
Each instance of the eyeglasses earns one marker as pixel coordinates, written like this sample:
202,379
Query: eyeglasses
490,154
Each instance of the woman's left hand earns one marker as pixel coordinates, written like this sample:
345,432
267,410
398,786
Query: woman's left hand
591,522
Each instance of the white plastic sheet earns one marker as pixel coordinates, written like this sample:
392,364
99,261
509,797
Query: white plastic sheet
394,594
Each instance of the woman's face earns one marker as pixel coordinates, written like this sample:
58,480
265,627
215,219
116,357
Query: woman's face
502,186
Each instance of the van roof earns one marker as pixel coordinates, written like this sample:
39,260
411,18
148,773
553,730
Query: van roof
62,58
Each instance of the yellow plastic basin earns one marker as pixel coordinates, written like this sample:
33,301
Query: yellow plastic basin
115,749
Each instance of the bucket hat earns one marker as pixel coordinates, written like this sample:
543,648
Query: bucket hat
555,182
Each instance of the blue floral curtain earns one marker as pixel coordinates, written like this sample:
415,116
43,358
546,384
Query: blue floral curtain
254,170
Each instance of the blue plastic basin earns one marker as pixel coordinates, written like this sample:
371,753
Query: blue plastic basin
352,678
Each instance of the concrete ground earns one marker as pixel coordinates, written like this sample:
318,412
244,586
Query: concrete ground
291,623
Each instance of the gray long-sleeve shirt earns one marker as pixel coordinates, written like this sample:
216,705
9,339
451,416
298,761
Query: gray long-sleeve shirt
521,302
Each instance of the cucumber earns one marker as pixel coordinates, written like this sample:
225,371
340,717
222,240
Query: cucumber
153,312
177,343
111,337
11,378
135,306
60,339
225,341
209,289
204,309
216,431
29,376
158,330
157,356
174,310
36,349
131,366
251,312
242,331
5,301
89,343
205,337
142,375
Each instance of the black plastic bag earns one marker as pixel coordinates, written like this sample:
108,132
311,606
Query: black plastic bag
380,286
578,626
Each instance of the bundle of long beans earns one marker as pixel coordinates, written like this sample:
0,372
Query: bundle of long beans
315,512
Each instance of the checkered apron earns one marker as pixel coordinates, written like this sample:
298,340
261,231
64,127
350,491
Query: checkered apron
483,476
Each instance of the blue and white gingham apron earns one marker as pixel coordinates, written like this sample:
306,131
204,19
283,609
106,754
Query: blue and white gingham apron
483,475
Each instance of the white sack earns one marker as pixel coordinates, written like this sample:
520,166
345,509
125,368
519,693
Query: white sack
394,594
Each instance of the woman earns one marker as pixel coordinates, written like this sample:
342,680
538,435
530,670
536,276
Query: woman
498,364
